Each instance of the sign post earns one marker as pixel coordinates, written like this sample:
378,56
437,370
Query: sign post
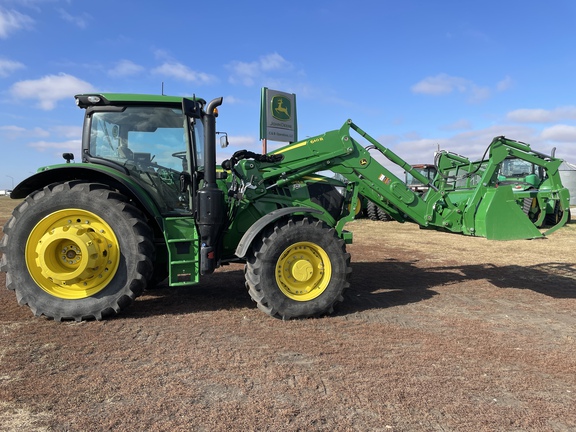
277,117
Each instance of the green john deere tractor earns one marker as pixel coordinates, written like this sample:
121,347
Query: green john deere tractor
147,203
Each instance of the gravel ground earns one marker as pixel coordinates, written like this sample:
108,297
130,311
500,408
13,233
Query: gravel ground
438,332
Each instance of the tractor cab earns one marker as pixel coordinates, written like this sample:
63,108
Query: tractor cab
151,142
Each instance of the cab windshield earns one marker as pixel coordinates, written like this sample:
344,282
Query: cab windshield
516,168
152,143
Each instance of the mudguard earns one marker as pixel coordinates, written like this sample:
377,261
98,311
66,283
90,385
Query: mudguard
94,173
256,228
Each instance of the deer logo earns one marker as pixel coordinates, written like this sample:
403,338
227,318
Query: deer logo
281,108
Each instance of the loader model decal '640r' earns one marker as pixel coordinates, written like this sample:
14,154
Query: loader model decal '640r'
148,203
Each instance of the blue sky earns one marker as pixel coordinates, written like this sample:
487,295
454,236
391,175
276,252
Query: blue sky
413,74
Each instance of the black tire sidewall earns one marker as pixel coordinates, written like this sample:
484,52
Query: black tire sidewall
127,282
287,235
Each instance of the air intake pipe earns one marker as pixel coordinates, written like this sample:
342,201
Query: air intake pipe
210,141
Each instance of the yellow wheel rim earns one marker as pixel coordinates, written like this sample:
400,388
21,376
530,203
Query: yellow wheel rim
72,254
358,208
303,271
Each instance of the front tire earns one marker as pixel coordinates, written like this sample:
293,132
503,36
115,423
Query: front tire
76,251
297,268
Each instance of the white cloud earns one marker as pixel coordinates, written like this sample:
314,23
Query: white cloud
54,149
11,21
80,21
470,143
12,131
71,132
244,141
173,69
69,145
125,68
388,140
504,84
232,100
247,73
473,143
162,55
273,61
443,84
48,90
458,125
478,94
526,115
530,115
9,66
560,133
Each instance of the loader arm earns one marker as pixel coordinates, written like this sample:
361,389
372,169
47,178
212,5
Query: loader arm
482,208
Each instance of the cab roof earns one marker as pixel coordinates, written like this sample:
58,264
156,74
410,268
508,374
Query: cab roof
98,99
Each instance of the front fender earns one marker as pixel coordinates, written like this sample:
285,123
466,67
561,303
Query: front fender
264,221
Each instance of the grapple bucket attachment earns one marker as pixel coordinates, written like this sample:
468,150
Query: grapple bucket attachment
499,217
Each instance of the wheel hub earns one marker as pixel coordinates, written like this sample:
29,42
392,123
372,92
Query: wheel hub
80,257
303,271
72,254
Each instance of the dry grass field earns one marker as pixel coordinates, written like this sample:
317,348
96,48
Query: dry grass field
438,332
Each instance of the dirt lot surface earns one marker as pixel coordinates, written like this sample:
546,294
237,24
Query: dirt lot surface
438,332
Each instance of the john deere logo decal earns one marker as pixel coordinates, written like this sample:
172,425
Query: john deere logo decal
281,108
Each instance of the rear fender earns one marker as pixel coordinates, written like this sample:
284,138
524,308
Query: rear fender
94,173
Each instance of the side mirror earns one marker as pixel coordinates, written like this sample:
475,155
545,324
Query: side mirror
223,139
192,108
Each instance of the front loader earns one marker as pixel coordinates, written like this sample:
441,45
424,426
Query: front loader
148,203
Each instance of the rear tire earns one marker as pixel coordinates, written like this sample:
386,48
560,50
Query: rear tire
76,251
372,211
553,218
297,268
382,215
